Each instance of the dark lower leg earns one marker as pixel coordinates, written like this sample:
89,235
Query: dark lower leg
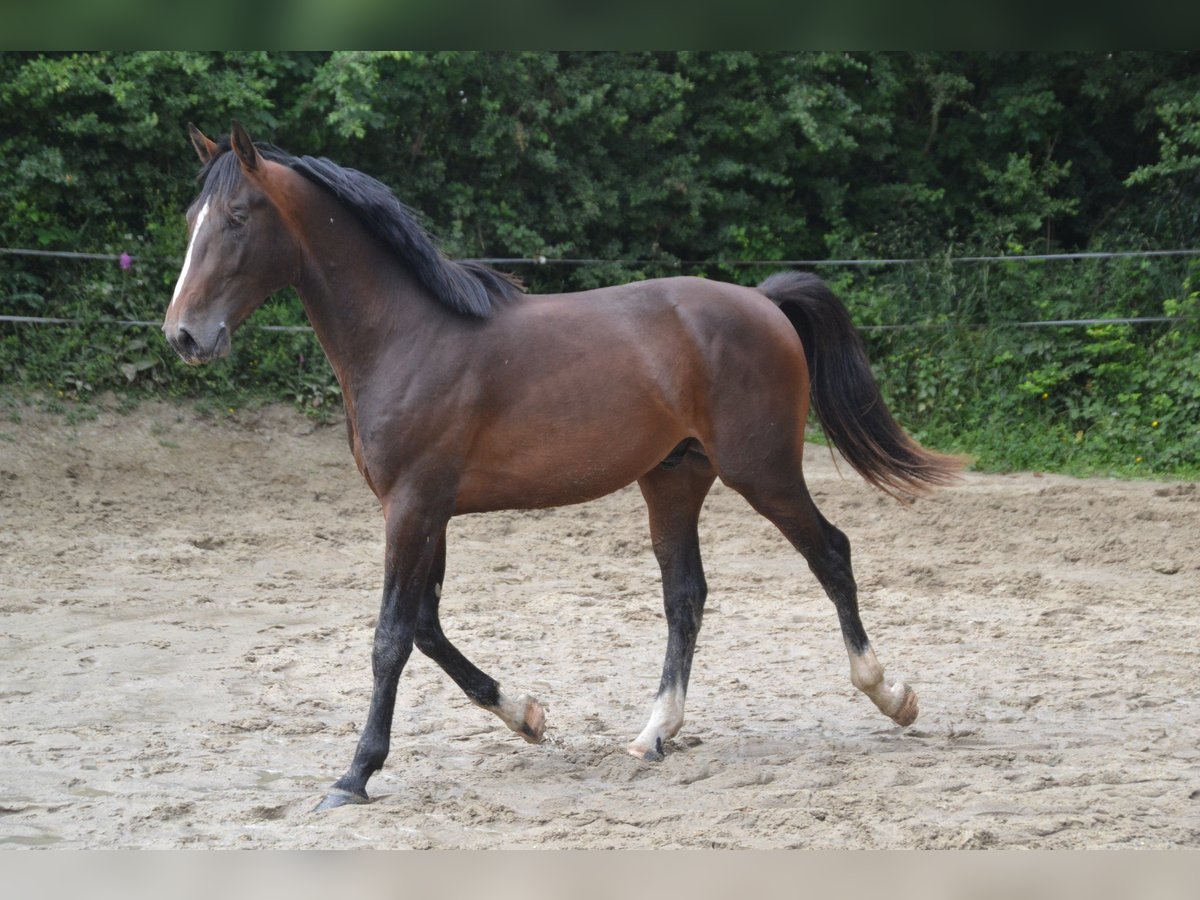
895,700
684,593
674,498
523,715
408,561
827,551
393,645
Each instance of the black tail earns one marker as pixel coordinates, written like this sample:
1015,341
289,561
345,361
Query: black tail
845,395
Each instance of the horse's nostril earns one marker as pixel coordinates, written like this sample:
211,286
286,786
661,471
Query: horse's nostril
187,344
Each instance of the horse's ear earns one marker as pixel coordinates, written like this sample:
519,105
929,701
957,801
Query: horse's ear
242,146
205,148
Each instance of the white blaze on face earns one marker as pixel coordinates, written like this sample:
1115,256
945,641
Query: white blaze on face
187,259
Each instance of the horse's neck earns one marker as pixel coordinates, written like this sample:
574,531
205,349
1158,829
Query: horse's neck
362,303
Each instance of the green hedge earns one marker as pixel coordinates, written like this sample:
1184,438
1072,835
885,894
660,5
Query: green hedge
668,162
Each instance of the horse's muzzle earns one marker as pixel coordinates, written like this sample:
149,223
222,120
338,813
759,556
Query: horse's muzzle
196,348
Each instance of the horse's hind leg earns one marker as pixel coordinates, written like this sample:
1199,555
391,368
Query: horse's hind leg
674,497
524,714
788,504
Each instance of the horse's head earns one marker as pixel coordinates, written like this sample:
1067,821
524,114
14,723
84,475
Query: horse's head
240,250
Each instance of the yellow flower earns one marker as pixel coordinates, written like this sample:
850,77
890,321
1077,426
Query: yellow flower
1045,396
1154,424
1138,459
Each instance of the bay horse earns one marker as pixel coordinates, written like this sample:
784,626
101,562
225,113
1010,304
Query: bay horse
463,394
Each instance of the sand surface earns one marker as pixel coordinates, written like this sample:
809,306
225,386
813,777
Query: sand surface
186,611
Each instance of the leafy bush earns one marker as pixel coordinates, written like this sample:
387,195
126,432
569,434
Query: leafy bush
1122,398
660,163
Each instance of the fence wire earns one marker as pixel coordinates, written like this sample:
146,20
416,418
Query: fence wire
127,259
690,263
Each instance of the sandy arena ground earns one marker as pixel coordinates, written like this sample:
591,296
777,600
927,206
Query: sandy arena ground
186,608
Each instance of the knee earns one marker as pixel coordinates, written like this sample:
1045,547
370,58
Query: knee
388,658
427,637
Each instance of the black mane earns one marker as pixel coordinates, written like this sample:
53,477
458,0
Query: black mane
467,288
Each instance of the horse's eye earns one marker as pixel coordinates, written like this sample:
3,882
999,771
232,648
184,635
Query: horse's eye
237,218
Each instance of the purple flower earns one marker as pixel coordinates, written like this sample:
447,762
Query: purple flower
126,261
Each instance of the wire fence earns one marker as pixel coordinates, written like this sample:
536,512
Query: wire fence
585,261
913,326
126,260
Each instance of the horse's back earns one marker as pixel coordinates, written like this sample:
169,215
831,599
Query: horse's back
659,312
680,292
600,386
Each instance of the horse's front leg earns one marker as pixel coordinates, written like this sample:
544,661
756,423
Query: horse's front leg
413,533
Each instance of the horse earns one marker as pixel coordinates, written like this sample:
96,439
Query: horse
465,394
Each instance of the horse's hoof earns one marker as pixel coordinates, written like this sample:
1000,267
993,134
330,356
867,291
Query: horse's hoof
907,713
533,725
653,754
340,797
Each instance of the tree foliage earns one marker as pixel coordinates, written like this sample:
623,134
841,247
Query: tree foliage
659,163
